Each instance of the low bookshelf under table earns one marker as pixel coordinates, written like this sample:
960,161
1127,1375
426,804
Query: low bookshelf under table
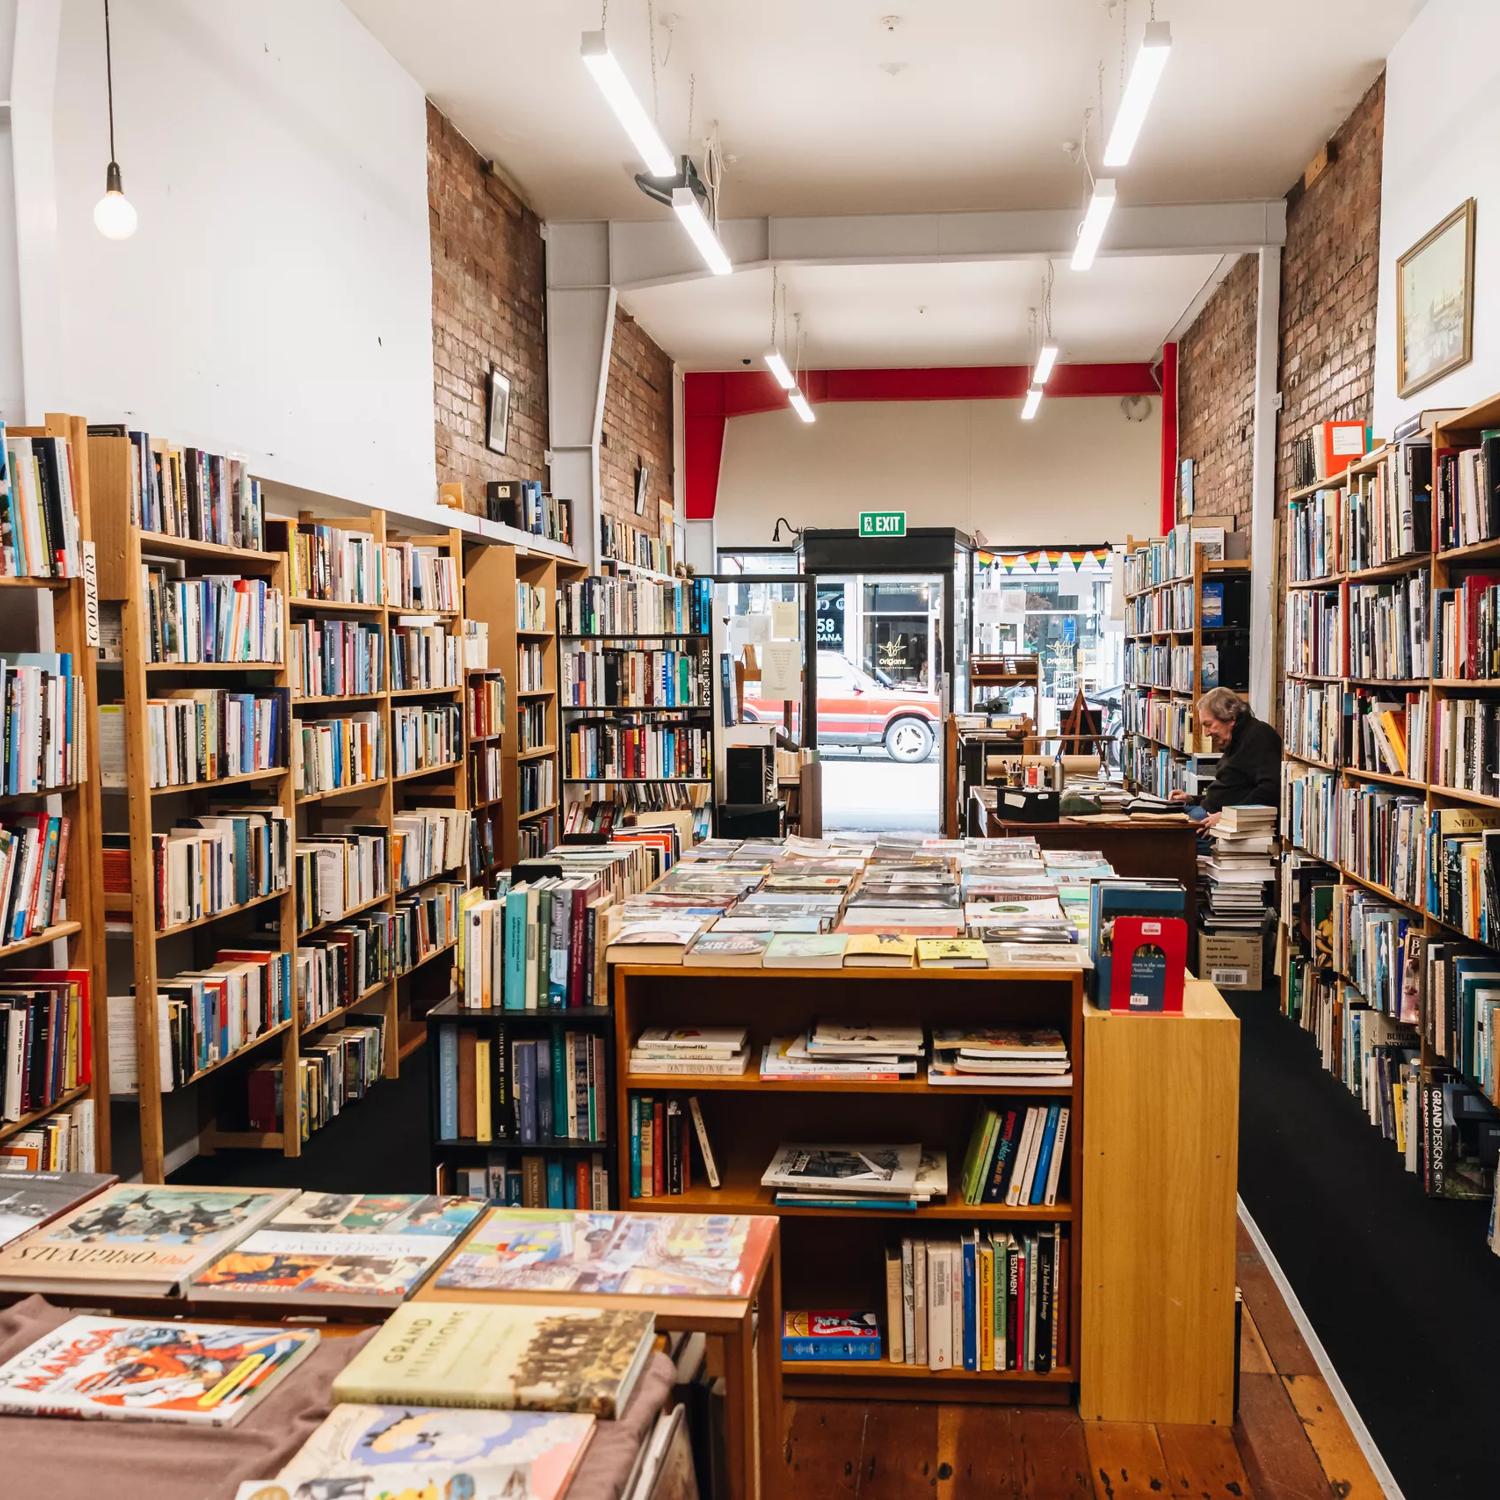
835,1257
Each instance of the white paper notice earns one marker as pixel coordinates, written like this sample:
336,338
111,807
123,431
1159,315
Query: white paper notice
757,629
783,620
780,671
987,607
1348,439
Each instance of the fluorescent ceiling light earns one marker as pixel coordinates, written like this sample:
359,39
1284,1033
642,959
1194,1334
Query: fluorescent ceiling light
615,87
778,367
686,206
800,406
1033,400
1044,362
1091,231
1145,74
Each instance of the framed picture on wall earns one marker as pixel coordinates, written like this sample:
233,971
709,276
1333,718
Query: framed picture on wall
642,485
1435,302
497,417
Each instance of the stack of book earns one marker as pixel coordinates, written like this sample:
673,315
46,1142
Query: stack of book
1239,867
1017,1156
863,1176
992,1054
704,1051
845,1049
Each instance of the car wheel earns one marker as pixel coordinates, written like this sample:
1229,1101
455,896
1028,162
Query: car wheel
909,740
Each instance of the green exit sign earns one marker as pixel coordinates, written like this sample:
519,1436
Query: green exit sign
882,523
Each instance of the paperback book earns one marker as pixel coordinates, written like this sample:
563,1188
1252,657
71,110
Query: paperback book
31,1199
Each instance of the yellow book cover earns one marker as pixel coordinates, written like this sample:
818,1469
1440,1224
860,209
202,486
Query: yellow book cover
483,1128
1392,726
952,953
986,1304
527,1358
893,950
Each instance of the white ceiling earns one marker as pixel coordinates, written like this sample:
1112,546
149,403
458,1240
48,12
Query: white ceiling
953,313
965,105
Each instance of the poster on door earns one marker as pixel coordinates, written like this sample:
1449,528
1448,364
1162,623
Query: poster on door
831,617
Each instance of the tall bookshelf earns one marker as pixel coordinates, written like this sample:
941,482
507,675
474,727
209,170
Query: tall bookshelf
1362,823
160,951
1166,637
77,941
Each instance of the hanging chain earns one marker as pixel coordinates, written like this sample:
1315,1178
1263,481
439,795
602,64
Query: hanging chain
1124,31
603,14
692,99
651,34
775,283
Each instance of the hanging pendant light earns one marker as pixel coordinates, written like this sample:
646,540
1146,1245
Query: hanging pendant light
114,214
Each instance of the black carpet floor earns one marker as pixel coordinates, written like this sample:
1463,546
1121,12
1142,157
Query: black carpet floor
1401,1289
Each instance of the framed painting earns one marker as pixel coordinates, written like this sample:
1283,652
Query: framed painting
1435,303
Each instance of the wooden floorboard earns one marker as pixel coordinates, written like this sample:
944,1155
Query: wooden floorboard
1289,1440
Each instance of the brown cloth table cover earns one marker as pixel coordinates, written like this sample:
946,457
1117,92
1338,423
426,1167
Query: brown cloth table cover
65,1458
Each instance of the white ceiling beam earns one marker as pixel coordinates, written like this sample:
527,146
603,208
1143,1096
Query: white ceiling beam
655,251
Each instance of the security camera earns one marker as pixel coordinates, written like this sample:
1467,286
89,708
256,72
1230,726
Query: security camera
747,360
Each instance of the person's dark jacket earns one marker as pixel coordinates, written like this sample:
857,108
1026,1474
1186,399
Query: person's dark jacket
1250,771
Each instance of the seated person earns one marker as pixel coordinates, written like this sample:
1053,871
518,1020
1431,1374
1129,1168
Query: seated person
1250,771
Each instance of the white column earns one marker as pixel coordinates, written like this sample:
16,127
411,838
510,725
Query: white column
1263,484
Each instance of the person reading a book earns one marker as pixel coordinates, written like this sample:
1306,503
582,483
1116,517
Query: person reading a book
1249,773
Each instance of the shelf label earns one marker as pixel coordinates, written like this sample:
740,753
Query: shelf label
882,523
90,595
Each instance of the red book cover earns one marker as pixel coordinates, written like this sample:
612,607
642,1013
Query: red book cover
1148,957
658,1149
1340,444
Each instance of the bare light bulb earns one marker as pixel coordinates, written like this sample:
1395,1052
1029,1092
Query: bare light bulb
114,214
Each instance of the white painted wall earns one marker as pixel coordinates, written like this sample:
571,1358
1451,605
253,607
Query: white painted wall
1078,473
11,406
1442,120
276,300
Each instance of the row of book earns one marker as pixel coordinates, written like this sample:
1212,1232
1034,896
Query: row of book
337,658
635,607
536,781
661,1164
1017,1156
537,1090
476,634
1310,810
615,749
1176,608
344,964
1314,532
45,1047
1171,723
334,564
1468,745
44,734
1386,733
333,1069
606,677
33,874
202,734
1388,624
522,504
339,751
534,1179
422,578
621,542
485,707
427,842
206,1015
65,1140
1467,481
531,668
531,606
425,655
1388,509
425,737
1384,839
485,774
39,535
427,923
1466,622
533,726
1314,719
338,870
539,946
186,492
207,864
1165,559
212,619
1314,633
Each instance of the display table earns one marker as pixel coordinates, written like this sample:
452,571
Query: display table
1165,847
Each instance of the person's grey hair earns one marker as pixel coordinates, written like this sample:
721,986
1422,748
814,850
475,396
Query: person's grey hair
1224,704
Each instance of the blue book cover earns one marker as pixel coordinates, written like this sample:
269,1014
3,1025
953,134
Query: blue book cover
542,1053
514,995
635,1147
448,1082
558,1074
570,1190
971,1301
1044,1155
512,1188
557,947
555,1184
525,1066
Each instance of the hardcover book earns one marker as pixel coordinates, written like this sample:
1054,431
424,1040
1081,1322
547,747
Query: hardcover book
795,950
952,953
31,1199
880,1169
337,1249
737,949
840,1335
167,1372
884,950
504,1454
136,1241
529,1358
659,1255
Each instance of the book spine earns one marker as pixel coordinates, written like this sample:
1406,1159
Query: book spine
970,1251
894,1320
793,1348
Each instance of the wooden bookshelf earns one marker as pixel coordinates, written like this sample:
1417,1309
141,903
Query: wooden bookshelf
834,1257
161,951
1154,763
76,942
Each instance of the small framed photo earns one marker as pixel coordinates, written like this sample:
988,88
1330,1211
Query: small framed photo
1435,303
642,485
497,415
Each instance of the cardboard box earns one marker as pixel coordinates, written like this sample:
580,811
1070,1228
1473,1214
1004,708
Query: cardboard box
1231,961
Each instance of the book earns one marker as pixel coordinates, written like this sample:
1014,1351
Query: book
136,1370
135,1241
705,1147
885,950
796,950
644,1254
660,939
31,1199
880,1169
836,1335
530,1358
728,949
342,1250
503,1453
952,953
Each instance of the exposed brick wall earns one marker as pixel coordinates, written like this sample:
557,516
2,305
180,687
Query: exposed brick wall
637,425
1329,274
1216,400
488,308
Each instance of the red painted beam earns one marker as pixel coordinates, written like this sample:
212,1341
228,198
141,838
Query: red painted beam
1168,437
702,442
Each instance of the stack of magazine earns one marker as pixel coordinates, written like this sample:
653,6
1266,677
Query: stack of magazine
845,1049
699,1051
822,1176
999,1054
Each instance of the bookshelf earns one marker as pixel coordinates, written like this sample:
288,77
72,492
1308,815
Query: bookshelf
1375,815
77,940
162,948
835,1257
1167,642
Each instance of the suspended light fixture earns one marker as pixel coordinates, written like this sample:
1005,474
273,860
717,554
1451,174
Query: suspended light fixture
777,365
800,406
689,210
1033,401
629,110
1091,231
1046,358
114,214
1145,74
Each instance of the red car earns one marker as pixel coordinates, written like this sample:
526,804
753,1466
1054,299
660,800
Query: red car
855,708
